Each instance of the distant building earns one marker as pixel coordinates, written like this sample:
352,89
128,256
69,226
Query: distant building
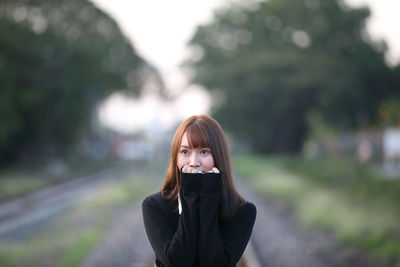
391,146
130,147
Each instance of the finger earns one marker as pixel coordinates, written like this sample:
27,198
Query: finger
215,170
184,169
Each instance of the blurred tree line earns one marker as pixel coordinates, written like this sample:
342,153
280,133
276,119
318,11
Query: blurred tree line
58,60
274,66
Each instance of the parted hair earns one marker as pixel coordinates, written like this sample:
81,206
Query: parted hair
203,131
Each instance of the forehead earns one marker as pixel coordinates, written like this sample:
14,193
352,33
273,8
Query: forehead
184,141
195,139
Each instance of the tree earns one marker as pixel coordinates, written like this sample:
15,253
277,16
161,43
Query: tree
58,60
275,61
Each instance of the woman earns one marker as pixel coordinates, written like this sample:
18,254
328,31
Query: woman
198,218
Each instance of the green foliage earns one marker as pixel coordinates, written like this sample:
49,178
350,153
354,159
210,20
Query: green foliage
58,60
390,111
360,180
274,61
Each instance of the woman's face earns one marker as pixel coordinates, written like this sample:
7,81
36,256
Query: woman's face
199,158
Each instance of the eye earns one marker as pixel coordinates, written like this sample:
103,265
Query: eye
204,151
184,151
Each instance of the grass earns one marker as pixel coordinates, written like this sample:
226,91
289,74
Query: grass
13,186
341,195
82,247
70,238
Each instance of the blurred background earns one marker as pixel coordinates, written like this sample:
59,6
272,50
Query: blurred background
307,91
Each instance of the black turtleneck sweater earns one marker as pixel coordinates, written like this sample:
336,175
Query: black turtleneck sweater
196,237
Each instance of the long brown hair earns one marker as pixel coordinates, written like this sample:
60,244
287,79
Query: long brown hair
204,131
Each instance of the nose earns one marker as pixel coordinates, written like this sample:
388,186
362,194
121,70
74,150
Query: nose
194,160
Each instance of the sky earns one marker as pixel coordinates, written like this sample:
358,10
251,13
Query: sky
160,30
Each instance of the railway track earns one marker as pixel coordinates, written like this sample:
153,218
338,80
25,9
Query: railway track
37,206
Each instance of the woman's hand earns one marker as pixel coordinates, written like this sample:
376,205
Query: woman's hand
188,169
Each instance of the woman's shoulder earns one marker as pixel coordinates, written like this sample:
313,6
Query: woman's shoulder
153,200
247,209
153,197
249,206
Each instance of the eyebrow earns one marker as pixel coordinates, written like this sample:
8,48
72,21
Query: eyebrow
200,147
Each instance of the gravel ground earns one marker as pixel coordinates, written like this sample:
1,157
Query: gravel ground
125,245
276,242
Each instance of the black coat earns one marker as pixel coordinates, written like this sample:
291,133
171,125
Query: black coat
196,237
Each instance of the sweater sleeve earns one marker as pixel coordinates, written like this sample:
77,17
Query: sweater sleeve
179,246
218,248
